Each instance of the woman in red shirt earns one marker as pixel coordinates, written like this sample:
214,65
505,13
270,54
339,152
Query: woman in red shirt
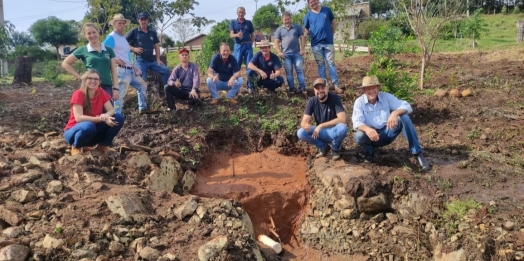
87,125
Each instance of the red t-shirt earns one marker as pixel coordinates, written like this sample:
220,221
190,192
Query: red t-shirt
97,104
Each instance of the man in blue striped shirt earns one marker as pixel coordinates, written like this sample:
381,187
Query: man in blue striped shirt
379,117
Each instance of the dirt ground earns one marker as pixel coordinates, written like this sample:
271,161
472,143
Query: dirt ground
474,143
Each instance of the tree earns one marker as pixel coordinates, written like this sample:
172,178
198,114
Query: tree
266,17
183,30
427,18
210,46
474,26
380,6
22,39
55,32
167,42
102,11
6,29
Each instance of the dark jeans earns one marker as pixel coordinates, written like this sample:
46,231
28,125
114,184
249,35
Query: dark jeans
87,133
173,92
271,84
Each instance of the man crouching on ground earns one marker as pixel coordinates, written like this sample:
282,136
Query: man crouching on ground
330,118
379,117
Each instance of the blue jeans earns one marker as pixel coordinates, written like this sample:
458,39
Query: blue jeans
128,77
387,136
334,135
144,66
294,60
270,84
243,54
325,53
87,133
214,87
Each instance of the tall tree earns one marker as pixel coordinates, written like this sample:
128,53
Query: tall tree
55,32
102,11
183,30
6,29
22,39
427,18
266,17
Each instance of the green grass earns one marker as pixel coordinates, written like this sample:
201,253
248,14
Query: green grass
63,76
458,208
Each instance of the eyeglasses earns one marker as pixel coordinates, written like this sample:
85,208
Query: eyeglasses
93,79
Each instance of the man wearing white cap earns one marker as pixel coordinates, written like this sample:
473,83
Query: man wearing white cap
128,74
379,117
265,68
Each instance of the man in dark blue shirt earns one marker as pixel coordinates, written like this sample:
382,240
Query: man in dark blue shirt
224,74
242,31
143,41
330,118
265,68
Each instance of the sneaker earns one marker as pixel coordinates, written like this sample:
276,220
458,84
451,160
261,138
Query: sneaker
232,101
368,159
335,155
145,111
75,151
323,152
304,92
171,111
214,102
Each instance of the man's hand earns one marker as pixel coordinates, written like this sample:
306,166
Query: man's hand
215,78
272,76
138,72
301,52
116,93
159,62
307,127
281,55
120,62
392,121
316,132
372,134
262,74
193,94
138,50
231,82
177,83
240,34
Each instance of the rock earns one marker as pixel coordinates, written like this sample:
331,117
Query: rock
188,181
212,248
452,256
54,186
455,93
138,244
23,196
378,203
28,177
345,173
466,93
50,242
12,232
81,253
14,252
342,204
50,134
440,93
509,225
187,209
150,254
34,161
168,257
126,205
139,159
248,224
392,218
9,216
116,247
167,177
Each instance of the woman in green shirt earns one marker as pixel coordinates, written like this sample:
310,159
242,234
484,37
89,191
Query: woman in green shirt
95,56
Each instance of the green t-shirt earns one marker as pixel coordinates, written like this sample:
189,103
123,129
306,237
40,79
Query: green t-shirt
99,61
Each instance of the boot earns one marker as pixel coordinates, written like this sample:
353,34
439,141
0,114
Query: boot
422,162
75,151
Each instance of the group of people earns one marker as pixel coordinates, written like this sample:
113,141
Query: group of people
378,117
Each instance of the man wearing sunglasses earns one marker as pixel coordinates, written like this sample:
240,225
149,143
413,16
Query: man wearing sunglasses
330,117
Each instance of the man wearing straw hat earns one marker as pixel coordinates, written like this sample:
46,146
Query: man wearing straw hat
379,117
128,74
330,117
265,69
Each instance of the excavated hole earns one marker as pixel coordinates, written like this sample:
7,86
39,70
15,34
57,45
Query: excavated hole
268,184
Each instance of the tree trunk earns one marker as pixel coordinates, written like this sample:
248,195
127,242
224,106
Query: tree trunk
422,70
58,56
155,78
24,66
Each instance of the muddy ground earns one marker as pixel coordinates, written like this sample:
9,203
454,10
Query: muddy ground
249,153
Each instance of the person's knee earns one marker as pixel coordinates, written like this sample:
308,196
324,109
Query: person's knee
119,118
166,88
301,133
360,137
342,129
209,81
239,81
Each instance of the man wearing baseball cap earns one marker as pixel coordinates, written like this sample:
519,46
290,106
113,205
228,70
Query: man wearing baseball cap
183,83
128,74
143,41
265,69
379,117
330,117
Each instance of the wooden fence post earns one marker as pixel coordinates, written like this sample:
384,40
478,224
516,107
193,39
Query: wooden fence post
520,30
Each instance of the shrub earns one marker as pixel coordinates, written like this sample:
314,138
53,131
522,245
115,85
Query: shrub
52,71
368,26
393,81
211,45
37,54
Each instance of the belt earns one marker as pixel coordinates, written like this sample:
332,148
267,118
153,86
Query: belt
246,42
125,67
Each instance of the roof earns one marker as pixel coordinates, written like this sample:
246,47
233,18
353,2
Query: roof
195,37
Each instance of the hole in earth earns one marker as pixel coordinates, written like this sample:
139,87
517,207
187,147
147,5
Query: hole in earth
268,184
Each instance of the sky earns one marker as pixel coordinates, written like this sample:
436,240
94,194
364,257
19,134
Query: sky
23,13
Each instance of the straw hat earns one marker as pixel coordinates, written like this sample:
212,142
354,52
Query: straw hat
264,43
119,17
369,81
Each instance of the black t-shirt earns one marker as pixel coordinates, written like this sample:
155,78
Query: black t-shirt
139,38
326,111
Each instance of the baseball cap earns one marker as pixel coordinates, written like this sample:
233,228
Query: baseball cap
183,50
318,81
143,15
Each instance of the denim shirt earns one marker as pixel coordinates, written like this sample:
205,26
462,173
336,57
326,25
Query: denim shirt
376,116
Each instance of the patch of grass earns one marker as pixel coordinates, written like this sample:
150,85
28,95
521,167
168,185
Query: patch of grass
473,134
193,131
445,184
197,147
457,209
184,150
234,120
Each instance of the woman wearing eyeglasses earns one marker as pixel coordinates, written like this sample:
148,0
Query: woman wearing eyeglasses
87,125
96,56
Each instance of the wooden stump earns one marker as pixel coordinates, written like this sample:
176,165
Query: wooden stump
520,31
24,66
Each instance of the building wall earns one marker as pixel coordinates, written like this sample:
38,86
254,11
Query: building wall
62,47
346,26
196,41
